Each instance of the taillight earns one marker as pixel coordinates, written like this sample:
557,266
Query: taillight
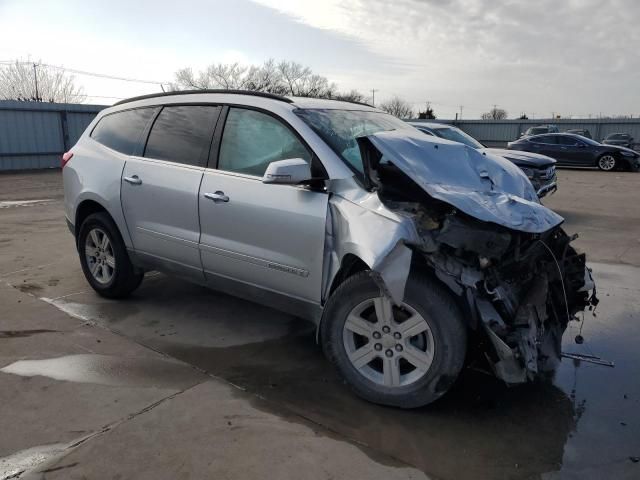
65,158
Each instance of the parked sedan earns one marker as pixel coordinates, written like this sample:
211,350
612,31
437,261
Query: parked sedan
619,139
580,131
540,169
539,130
575,150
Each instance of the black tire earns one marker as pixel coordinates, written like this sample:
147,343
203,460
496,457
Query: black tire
437,307
609,166
125,278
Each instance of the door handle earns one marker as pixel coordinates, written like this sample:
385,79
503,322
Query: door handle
133,180
217,196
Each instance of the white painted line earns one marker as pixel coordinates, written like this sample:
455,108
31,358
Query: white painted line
23,203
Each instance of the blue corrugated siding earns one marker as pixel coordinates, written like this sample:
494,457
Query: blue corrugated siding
32,134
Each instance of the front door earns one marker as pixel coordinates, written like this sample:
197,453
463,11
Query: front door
160,189
261,235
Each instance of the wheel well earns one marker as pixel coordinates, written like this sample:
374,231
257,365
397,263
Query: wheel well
86,208
351,264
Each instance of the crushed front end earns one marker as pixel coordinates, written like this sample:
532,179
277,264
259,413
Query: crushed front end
479,228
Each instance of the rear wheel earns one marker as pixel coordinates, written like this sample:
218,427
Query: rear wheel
607,162
405,356
104,259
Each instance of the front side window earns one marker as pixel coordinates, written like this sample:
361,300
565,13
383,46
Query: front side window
340,129
122,131
252,140
182,134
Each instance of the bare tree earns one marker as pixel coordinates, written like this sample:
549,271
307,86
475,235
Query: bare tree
352,96
398,107
494,114
282,78
34,82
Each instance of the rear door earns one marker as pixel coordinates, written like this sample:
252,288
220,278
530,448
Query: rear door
160,187
261,235
545,145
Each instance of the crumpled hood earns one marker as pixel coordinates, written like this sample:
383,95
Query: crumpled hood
485,186
526,159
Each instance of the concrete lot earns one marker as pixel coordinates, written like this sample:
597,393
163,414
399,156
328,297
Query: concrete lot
182,382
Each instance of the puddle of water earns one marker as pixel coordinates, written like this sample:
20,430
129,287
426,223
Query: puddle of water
110,370
23,203
14,465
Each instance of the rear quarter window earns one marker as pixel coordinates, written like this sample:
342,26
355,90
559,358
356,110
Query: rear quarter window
122,131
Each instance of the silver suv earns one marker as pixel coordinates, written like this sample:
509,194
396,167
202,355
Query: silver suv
405,250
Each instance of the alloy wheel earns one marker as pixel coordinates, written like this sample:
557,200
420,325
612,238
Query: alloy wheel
607,162
99,255
389,345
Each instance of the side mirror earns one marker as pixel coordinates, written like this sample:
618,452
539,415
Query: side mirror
287,172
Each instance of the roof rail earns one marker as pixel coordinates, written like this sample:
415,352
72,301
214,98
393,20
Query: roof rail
272,96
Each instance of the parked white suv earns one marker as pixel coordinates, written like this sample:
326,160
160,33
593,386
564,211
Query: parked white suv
404,249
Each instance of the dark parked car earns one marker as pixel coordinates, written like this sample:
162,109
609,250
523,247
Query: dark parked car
575,150
540,129
540,170
619,139
580,131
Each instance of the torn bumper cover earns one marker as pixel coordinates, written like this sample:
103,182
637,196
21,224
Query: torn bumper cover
475,222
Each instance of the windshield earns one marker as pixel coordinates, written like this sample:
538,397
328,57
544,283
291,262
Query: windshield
538,130
588,140
341,128
457,135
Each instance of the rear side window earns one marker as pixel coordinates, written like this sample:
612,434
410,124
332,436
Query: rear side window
547,139
252,140
568,141
122,131
182,134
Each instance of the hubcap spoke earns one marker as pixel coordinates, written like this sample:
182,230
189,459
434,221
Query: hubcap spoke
412,326
94,269
91,251
362,356
105,242
359,325
384,310
94,238
391,369
111,261
419,359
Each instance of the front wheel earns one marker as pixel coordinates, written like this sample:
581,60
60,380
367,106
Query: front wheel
104,259
405,356
607,162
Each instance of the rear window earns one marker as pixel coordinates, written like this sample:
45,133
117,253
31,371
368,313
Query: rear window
182,134
618,136
122,131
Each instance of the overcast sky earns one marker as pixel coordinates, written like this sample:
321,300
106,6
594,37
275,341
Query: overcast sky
572,57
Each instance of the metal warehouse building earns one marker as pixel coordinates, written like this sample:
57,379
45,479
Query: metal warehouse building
35,135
